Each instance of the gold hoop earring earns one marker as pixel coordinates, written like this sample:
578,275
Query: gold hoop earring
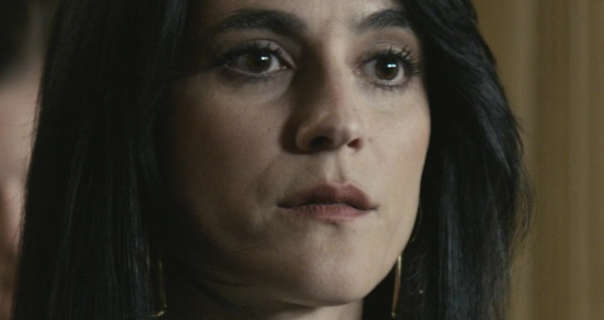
162,293
397,286
158,314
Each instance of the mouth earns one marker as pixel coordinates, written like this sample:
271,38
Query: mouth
333,202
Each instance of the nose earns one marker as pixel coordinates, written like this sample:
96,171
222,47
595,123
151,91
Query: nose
330,118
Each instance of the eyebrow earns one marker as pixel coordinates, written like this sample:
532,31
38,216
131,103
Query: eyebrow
275,21
288,24
384,19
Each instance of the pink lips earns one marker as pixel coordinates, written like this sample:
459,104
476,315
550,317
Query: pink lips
329,202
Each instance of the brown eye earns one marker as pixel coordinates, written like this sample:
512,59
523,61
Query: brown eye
387,68
256,62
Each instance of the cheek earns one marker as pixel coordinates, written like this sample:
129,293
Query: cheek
407,156
215,148
215,133
403,145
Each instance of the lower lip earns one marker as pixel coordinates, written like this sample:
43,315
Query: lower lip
328,212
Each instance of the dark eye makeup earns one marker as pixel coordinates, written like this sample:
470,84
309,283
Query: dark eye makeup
263,61
256,60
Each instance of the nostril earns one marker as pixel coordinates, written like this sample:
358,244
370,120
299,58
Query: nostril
355,144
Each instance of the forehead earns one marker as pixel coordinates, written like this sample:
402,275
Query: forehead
317,14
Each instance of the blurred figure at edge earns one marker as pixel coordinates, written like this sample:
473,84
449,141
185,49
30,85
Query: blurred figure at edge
23,25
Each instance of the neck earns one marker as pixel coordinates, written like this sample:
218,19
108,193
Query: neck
188,300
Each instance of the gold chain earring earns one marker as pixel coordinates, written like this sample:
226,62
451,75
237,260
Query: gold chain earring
397,286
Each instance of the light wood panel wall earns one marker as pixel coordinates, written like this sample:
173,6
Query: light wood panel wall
551,58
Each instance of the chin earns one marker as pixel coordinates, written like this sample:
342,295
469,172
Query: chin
329,288
322,296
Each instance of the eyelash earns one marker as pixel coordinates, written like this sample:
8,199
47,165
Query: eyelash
410,67
225,61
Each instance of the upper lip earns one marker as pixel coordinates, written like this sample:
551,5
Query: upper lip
330,194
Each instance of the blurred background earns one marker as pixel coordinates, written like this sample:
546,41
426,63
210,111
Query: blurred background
551,59
550,55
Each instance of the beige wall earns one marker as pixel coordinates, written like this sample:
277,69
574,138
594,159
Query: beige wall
551,58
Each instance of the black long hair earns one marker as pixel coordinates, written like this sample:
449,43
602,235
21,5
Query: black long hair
94,192
13,19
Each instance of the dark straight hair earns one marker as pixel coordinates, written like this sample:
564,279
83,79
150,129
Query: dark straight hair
95,192
93,183
13,19
475,200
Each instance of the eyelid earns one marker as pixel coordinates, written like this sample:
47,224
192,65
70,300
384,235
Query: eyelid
404,52
225,59
256,45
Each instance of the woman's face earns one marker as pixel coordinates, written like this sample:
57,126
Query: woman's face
296,145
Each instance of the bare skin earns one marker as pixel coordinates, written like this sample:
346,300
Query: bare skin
314,92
